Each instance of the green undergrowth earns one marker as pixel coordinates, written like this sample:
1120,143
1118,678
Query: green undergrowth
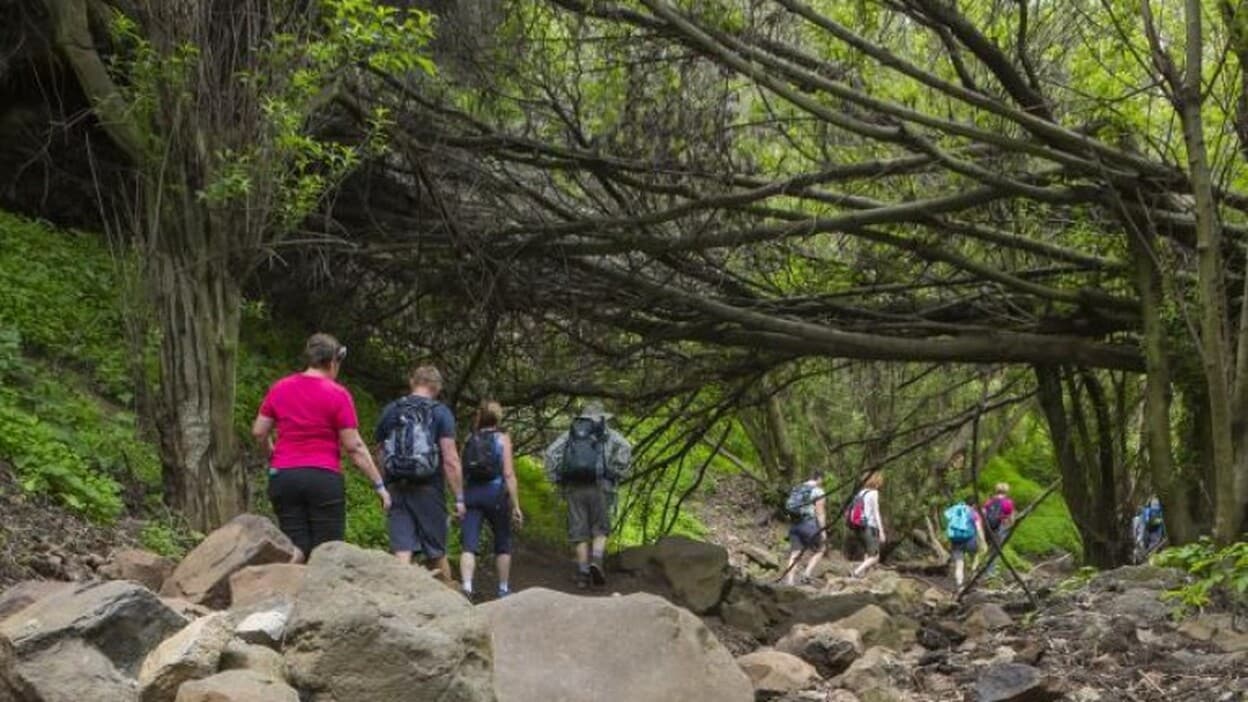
66,418
1219,576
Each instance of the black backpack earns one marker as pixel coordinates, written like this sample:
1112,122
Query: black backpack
483,461
584,454
411,449
799,504
994,514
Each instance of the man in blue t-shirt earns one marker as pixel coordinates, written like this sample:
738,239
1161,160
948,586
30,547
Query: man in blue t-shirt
417,519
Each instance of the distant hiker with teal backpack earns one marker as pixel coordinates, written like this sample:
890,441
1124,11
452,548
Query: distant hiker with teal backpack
587,462
491,495
864,519
965,534
1150,529
806,509
416,447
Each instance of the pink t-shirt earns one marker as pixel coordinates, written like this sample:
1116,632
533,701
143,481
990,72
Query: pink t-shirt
1007,507
309,412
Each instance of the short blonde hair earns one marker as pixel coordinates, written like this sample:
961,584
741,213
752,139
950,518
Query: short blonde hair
875,481
425,376
489,414
1003,488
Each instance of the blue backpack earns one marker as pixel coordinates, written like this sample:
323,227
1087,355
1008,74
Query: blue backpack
960,524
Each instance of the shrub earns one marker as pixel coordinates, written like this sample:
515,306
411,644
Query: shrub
1219,576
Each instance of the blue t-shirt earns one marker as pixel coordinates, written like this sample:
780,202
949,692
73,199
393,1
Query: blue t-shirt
443,425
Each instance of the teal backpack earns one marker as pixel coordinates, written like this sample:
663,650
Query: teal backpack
960,524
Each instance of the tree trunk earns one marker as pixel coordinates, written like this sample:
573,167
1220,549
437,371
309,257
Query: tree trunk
198,304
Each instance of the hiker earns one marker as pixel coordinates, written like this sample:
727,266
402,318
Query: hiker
585,462
315,421
1152,528
965,534
998,513
805,506
416,447
490,495
865,520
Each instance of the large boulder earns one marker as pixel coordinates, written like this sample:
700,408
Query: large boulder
203,577
829,648
366,627
26,593
774,673
143,567
242,686
192,653
70,670
696,571
259,583
122,620
555,647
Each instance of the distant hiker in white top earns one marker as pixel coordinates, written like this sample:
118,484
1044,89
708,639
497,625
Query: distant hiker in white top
871,531
806,509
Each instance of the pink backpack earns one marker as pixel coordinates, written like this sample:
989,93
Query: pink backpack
854,516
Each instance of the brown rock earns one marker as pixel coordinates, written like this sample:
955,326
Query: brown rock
776,672
203,577
190,654
255,584
240,655
27,593
986,618
829,648
237,686
878,628
143,567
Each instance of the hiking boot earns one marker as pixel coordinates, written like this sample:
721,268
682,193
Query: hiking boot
597,574
582,580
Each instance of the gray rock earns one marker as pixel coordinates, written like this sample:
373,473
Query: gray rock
1147,577
1013,682
878,628
987,618
775,673
265,627
68,670
239,686
190,654
697,571
203,577
829,648
366,627
760,557
123,620
744,613
875,675
1144,605
653,651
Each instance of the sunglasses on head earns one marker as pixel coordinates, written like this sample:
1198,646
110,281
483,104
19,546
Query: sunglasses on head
341,353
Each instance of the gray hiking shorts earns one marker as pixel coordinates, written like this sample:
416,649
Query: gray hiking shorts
587,512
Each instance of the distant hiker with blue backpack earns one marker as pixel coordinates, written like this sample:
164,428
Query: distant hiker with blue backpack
491,495
1149,527
965,534
864,519
806,509
416,437
586,462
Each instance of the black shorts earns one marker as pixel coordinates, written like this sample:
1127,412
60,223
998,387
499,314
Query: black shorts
418,521
587,512
490,504
806,535
870,538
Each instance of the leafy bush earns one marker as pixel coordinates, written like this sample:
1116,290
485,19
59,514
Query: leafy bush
1220,576
168,537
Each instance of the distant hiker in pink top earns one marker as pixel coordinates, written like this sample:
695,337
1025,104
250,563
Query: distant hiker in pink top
315,420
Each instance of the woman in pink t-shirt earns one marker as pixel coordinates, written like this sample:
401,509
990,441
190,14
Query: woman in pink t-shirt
315,420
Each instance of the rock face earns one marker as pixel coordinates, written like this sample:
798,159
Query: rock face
829,648
365,627
203,577
255,584
1013,682
26,593
656,651
775,673
238,686
121,619
143,567
696,571
190,654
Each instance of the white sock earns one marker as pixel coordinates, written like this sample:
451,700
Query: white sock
467,585
502,587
